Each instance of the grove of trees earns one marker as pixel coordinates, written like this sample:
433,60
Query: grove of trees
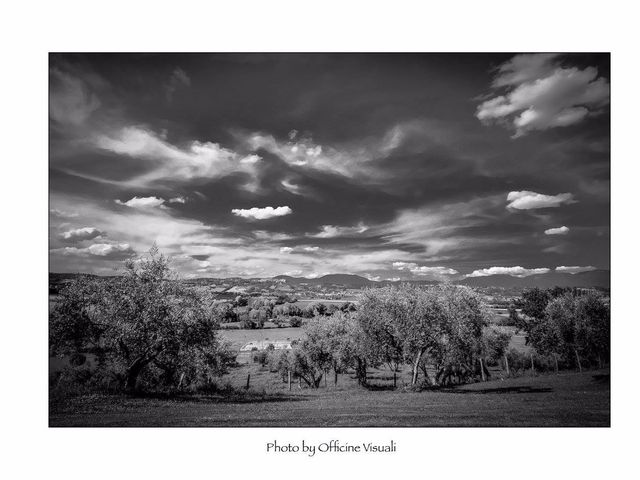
440,332
571,325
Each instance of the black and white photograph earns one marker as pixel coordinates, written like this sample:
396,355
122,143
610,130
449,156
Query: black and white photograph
326,240
329,239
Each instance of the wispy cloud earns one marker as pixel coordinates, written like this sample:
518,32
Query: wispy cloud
333,231
167,162
574,270
177,79
71,101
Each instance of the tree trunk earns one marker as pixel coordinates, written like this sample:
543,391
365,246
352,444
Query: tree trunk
289,378
578,359
335,377
484,378
555,359
506,365
361,371
248,380
132,374
394,378
533,368
599,361
416,363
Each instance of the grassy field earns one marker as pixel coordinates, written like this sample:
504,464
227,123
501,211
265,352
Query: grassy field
237,338
568,399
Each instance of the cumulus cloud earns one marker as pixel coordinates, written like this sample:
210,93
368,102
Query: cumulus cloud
142,202
311,249
178,200
286,249
80,234
263,213
557,231
415,269
332,231
542,94
526,200
574,270
518,271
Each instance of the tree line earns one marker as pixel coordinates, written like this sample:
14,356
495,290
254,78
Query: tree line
443,334
147,330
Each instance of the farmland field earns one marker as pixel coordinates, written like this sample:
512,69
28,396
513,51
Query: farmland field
568,399
237,337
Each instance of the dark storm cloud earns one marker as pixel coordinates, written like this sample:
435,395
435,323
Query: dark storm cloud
368,160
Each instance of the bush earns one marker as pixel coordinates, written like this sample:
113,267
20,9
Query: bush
261,357
295,321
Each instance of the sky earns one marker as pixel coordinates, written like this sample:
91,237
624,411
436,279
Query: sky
390,166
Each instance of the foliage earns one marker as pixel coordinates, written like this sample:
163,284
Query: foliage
496,344
143,324
405,323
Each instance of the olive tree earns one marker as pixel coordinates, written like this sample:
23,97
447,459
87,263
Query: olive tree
144,321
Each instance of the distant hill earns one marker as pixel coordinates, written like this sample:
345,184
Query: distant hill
350,281
595,278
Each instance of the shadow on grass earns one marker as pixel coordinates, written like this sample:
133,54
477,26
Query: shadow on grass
379,388
234,397
498,391
602,378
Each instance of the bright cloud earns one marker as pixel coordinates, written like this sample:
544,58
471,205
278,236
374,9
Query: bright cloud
108,251
286,249
526,200
263,213
196,160
541,94
80,234
142,202
519,272
311,249
178,200
291,187
415,269
574,270
332,231
557,231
